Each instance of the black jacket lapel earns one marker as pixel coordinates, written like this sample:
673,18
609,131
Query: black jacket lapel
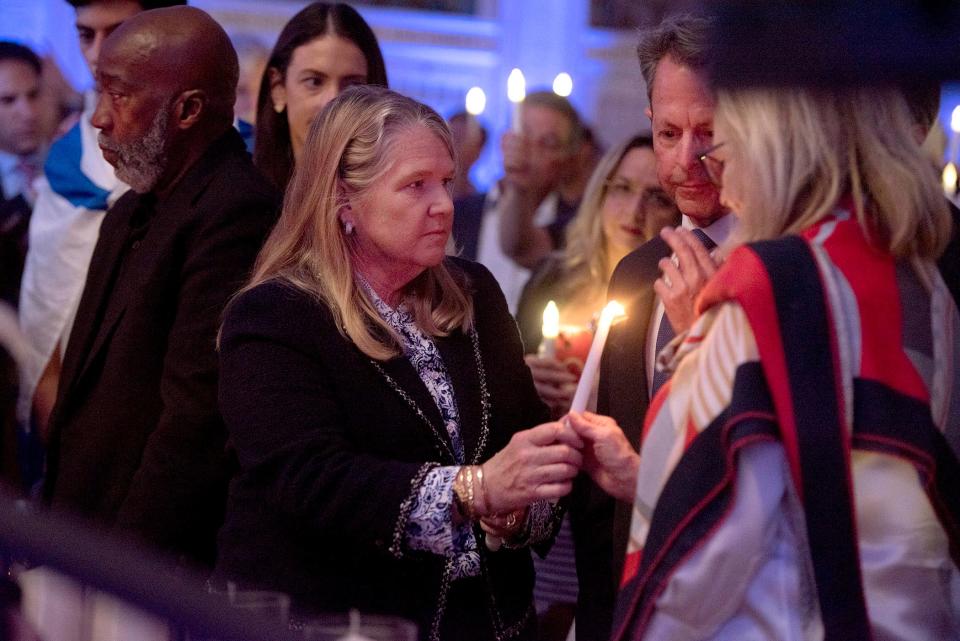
459,359
96,295
402,373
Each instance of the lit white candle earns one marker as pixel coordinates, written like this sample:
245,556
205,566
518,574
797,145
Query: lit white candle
949,179
516,92
954,134
563,84
475,103
550,330
611,312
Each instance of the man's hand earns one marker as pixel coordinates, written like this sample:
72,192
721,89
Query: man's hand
683,277
608,457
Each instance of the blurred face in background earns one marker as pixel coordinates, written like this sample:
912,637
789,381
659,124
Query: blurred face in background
681,111
21,132
635,207
98,20
552,159
318,72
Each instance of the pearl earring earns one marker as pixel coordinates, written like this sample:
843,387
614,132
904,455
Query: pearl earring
348,228
279,107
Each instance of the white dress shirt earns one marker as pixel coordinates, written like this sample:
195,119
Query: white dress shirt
719,232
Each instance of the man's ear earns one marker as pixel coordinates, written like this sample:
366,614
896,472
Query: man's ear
190,107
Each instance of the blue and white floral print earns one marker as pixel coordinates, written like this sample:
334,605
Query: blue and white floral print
430,526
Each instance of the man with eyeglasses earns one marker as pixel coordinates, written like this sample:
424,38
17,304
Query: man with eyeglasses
515,226
657,284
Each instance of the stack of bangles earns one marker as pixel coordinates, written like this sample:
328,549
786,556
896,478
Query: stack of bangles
471,500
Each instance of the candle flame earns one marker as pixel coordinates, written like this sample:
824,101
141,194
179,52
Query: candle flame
613,311
563,84
949,179
955,119
551,321
476,101
516,86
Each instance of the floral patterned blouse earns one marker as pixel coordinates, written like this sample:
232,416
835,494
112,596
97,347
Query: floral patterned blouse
430,526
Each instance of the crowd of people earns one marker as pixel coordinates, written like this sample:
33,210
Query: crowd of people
320,368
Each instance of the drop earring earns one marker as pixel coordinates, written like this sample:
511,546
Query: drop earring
347,228
279,107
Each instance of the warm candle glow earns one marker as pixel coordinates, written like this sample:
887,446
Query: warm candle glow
550,329
949,179
516,86
563,84
551,320
476,101
955,119
610,313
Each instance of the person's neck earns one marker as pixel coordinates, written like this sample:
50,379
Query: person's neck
703,222
389,284
614,256
570,192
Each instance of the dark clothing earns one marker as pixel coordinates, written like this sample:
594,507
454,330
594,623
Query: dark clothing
14,226
949,263
601,525
558,228
332,446
467,220
136,440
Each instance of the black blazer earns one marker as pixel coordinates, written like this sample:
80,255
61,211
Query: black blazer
949,262
601,525
330,452
14,225
136,439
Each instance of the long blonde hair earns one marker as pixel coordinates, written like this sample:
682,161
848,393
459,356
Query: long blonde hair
349,147
800,150
586,256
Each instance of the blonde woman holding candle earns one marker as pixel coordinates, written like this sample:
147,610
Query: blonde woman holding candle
375,394
798,474
623,206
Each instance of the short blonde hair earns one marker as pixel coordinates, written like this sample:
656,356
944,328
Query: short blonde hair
798,151
349,147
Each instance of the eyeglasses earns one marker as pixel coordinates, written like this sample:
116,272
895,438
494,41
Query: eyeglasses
712,165
623,190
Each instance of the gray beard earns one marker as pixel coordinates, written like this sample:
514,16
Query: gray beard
141,163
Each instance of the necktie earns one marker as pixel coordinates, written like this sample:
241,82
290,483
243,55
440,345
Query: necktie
666,334
28,170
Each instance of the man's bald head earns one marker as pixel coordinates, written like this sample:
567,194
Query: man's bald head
167,81
179,49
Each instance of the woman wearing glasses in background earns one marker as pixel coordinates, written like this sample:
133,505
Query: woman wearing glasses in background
623,206
798,475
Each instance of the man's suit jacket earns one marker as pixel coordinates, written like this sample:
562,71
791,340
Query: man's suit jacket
949,262
14,222
136,440
601,525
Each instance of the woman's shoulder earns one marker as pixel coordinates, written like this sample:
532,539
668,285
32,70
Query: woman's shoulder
274,306
474,277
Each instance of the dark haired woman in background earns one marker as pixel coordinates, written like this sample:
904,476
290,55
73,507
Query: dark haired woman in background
324,49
